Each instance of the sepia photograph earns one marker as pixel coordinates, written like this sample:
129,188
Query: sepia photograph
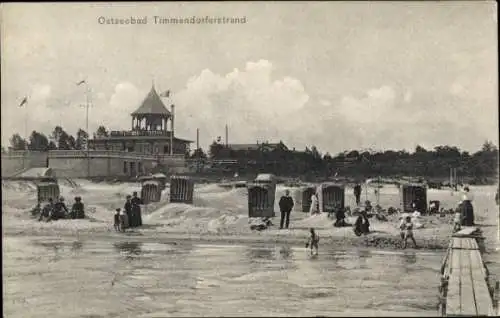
250,159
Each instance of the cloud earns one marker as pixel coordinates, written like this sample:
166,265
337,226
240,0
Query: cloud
408,96
325,102
259,106
253,104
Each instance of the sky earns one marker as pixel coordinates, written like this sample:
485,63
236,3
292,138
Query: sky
338,75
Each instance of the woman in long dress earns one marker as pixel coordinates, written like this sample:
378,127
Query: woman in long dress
468,210
314,209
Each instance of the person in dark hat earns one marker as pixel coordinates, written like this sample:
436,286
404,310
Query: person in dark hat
60,210
77,210
136,209
128,210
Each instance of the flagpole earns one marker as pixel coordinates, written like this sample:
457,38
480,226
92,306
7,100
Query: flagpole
87,92
26,134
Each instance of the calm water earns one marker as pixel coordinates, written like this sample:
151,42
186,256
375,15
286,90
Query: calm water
44,277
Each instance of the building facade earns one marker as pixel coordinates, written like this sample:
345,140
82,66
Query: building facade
149,134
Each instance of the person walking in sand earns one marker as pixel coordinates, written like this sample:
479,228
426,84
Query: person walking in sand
313,242
407,228
314,209
286,206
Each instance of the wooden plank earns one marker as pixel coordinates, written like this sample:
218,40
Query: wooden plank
474,244
453,296
455,261
477,262
446,262
476,256
467,302
456,243
484,303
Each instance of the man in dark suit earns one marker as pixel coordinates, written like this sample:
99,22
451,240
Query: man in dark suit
286,206
357,193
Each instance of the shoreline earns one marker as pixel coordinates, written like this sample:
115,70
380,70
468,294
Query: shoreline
375,240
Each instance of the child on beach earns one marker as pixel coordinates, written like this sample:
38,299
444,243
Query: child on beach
407,231
313,241
116,224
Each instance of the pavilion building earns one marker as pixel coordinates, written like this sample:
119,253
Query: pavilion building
149,134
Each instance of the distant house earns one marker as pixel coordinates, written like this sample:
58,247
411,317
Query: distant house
257,147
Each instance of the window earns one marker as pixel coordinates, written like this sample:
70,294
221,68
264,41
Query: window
132,169
125,167
166,149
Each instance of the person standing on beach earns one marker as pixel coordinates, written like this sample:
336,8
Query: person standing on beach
357,193
136,209
313,242
314,209
286,206
407,227
468,210
128,210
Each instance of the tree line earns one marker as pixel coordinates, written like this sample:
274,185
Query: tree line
59,139
478,167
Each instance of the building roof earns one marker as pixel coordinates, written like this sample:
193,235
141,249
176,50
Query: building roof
152,105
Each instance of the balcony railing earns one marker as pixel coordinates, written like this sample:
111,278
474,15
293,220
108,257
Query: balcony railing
136,133
113,154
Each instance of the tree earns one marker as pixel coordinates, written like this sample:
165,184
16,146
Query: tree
488,146
81,139
215,150
52,146
62,139
3,150
17,142
38,142
198,154
420,149
56,134
101,132
65,142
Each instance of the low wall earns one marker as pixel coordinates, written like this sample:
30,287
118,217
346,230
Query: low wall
17,161
79,164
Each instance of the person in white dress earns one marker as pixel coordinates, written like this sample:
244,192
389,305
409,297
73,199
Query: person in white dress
314,209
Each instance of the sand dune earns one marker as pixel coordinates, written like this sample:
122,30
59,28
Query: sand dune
217,211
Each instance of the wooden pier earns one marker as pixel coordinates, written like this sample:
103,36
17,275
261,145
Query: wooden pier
464,289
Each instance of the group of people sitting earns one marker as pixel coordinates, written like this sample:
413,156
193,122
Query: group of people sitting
53,211
131,215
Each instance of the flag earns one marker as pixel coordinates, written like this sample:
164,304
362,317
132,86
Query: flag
165,94
80,83
24,101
